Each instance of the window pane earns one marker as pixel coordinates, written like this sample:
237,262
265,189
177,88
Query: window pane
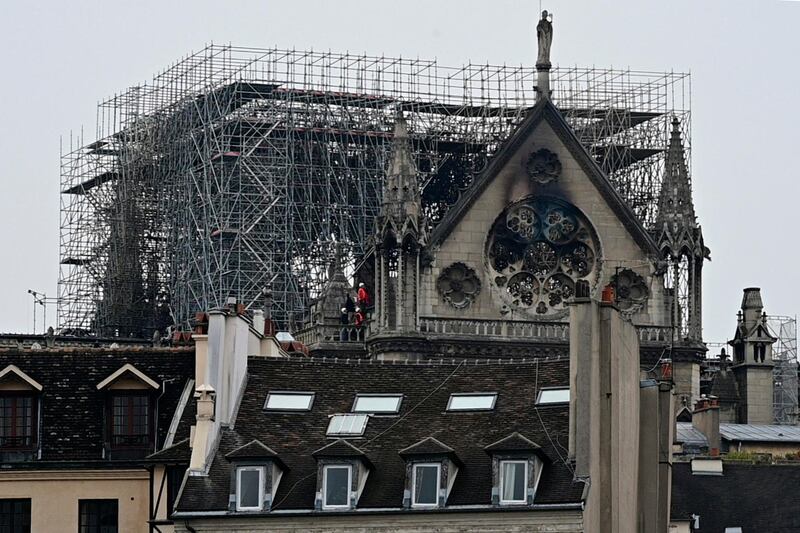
471,402
97,516
289,402
16,422
337,479
426,478
249,488
553,396
513,478
377,404
15,516
347,425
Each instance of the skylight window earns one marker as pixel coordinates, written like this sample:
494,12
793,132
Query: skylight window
377,403
289,401
347,425
477,401
548,396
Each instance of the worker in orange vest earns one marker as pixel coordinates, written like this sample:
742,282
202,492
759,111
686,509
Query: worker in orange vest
359,317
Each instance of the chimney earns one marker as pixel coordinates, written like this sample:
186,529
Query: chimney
705,419
604,412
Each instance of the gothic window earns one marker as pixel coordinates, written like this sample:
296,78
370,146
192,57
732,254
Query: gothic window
537,249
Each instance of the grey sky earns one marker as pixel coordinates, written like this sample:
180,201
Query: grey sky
60,58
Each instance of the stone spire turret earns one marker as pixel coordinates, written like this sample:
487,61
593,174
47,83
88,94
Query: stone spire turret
680,240
402,204
400,236
675,206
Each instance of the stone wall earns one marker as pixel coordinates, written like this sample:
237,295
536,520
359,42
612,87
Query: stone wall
533,521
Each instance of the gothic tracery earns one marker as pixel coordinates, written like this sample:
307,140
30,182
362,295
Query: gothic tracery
536,251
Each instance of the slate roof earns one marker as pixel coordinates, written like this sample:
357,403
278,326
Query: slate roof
426,388
72,409
761,497
759,433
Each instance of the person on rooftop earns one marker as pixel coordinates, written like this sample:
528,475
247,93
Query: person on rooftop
363,297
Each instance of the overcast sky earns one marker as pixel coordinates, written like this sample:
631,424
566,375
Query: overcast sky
60,58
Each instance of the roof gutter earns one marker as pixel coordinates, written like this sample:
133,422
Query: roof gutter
575,506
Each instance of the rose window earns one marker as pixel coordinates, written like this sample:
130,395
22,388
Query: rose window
537,249
459,285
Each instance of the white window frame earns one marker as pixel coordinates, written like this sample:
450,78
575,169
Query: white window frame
272,393
344,434
471,394
526,466
261,473
414,467
325,469
399,398
546,389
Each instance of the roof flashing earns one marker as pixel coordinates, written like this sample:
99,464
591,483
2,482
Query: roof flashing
128,369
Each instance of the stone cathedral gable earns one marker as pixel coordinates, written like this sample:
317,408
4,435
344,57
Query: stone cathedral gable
542,216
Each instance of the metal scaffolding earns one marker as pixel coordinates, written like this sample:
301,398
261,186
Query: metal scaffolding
784,356
238,168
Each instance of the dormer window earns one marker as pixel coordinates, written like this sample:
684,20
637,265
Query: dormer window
513,481
130,427
130,420
431,471
516,467
250,488
17,421
336,481
425,484
19,414
256,474
342,475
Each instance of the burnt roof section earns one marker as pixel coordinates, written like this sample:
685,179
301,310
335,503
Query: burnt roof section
545,111
426,388
760,497
73,410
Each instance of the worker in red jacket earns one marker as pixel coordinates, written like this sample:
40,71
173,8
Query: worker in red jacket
363,296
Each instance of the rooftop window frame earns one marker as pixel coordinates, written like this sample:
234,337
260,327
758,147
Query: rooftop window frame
400,397
450,409
501,474
262,473
327,466
289,393
339,435
544,390
149,436
15,396
420,464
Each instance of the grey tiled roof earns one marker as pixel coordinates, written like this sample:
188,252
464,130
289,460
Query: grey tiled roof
426,388
759,433
689,435
73,410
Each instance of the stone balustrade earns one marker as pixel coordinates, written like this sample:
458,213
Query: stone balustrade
511,329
